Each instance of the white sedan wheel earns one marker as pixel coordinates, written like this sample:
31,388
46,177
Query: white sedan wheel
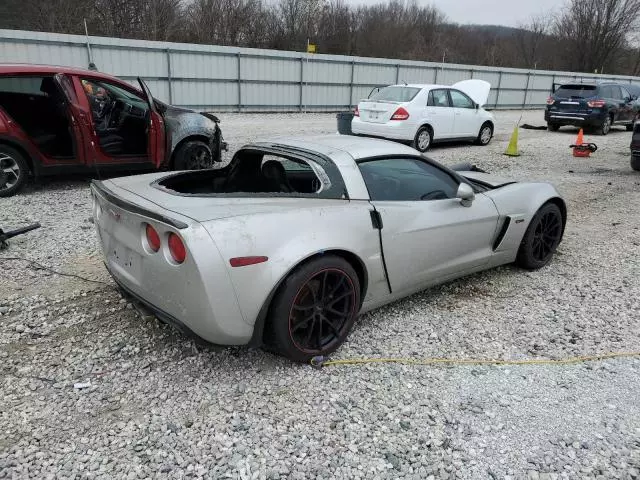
485,134
423,140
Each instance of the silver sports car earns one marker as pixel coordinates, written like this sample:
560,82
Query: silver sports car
286,245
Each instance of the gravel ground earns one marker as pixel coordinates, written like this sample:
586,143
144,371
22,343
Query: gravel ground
90,389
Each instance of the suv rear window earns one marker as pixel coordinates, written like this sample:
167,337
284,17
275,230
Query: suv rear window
395,94
582,91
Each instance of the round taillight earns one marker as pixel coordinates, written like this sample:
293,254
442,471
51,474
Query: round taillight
153,239
176,248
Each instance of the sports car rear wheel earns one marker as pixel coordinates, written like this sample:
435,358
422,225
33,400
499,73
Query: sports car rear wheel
541,238
314,310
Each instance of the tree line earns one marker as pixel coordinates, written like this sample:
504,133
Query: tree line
586,36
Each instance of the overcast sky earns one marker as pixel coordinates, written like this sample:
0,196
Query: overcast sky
493,12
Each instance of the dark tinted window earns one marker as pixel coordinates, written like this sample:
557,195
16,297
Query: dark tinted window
396,94
438,98
633,89
26,85
578,90
617,93
625,93
407,179
460,100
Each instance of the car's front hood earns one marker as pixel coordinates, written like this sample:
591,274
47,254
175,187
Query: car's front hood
478,90
492,181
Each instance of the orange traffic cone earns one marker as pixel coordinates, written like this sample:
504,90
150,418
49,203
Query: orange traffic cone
581,149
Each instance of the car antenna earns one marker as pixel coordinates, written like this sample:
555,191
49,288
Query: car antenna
92,66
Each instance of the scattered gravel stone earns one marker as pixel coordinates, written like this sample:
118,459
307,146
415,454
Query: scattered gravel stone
158,406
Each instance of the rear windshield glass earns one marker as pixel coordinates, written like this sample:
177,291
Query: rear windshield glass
582,91
396,94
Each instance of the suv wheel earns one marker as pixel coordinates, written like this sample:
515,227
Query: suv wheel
605,127
635,163
13,171
553,127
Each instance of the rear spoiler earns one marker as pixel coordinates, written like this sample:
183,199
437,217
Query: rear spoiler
98,188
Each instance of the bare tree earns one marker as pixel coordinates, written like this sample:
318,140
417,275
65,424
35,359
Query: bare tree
163,20
228,22
52,16
300,19
594,32
529,39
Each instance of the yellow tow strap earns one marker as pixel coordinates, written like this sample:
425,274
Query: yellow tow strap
320,362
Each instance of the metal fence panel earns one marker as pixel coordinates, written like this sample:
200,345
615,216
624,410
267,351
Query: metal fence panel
416,74
242,79
198,65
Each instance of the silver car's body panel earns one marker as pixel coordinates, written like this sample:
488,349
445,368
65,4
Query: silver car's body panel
420,243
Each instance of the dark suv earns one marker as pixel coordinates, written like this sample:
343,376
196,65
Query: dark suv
595,106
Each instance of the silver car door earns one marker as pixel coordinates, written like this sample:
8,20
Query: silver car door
427,234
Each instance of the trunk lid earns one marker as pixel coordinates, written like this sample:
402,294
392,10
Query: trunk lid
377,112
381,105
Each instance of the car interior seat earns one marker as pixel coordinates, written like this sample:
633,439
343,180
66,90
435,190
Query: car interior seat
48,131
276,177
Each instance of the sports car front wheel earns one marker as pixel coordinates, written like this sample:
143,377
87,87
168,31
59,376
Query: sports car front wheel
314,310
541,238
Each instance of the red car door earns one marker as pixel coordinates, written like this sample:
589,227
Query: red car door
65,83
155,132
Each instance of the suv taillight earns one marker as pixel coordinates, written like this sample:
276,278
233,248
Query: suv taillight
356,112
400,114
177,248
550,101
596,103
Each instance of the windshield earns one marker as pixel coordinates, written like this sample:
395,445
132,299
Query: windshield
582,91
120,93
395,94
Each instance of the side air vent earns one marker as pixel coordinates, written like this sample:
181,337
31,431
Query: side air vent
502,233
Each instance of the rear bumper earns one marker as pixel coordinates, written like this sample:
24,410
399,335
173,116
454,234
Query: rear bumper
577,119
395,129
161,314
196,296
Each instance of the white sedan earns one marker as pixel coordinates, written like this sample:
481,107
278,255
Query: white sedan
426,114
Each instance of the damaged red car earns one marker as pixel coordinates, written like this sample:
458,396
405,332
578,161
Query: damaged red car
56,120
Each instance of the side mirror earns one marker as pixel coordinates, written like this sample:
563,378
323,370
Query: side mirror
465,194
